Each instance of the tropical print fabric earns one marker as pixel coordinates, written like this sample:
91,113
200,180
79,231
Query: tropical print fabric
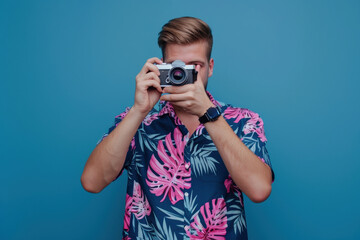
178,186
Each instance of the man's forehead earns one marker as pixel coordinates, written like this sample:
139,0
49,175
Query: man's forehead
191,53
193,61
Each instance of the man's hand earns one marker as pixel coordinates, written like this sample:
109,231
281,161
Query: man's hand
190,98
108,158
148,90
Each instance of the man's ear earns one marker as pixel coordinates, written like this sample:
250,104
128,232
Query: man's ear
211,67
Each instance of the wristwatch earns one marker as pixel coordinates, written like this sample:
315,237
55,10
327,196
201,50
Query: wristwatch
211,115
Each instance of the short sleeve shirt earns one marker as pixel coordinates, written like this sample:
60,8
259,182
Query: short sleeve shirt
178,186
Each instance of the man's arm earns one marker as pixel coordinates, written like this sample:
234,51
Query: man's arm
248,172
108,157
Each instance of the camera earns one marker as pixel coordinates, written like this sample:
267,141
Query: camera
176,73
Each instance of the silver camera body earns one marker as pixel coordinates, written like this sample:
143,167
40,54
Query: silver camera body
176,74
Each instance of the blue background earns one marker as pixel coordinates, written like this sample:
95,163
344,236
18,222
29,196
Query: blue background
68,67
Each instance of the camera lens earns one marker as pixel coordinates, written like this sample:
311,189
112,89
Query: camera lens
178,76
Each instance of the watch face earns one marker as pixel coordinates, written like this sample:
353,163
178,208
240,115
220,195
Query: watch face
213,113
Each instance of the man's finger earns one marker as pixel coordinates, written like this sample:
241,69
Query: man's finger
174,97
154,60
150,67
178,89
197,68
198,78
151,83
151,76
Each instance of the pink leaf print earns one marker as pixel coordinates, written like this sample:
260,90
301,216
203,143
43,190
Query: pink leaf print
150,118
261,159
168,176
231,186
169,109
254,124
122,115
199,129
140,205
215,222
132,143
212,99
237,113
127,212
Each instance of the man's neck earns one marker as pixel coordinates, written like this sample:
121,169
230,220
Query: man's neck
190,121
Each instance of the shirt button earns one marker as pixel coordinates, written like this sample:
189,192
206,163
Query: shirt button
187,166
186,194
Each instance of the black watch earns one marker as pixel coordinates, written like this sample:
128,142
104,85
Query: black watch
211,115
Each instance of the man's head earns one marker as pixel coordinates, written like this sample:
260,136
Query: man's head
185,31
190,40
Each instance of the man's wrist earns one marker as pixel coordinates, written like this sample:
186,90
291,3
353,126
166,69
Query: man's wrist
137,113
206,107
211,115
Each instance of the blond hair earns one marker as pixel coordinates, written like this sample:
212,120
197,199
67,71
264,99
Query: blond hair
183,31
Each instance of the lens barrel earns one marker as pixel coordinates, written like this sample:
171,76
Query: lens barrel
178,76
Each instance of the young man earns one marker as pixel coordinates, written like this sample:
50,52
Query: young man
190,160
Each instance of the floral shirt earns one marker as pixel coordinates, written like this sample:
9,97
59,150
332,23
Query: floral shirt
178,186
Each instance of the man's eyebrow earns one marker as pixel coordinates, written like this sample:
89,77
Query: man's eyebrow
196,62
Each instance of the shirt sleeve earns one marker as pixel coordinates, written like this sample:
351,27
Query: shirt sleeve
131,148
253,136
